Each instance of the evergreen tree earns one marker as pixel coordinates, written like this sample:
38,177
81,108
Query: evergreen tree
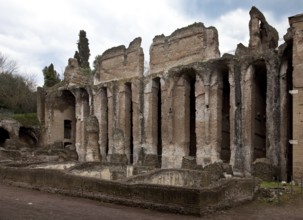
77,56
51,77
83,50
95,63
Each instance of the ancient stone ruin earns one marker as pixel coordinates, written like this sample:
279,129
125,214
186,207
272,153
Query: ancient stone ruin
194,118
192,104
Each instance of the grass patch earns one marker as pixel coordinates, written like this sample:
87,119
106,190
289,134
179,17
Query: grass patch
28,119
267,185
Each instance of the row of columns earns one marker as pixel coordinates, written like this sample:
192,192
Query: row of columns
129,119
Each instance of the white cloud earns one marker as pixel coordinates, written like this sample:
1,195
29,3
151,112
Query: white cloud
233,29
36,33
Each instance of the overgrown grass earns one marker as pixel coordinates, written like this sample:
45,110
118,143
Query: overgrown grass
266,185
272,185
28,119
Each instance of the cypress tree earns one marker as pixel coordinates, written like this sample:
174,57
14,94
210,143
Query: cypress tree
83,50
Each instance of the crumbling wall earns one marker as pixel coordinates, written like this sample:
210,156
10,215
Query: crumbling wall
59,107
262,35
186,45
296,22
120,63
74,75
190,102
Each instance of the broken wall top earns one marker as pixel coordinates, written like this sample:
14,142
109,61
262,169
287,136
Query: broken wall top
74,75
296,23
184,46
262,35
120,62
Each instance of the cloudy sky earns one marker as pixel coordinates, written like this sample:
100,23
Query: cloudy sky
36,33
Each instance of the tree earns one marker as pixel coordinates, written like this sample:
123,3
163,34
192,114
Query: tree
77,56
83,53
95,63
16,91
15,94
7,65
51,77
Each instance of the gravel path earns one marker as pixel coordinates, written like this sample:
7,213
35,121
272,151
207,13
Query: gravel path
24,204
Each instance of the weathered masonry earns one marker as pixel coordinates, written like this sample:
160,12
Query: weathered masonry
193,105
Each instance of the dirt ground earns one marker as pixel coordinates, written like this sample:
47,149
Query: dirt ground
18,203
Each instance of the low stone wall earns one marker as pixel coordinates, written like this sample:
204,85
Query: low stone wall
174,177
183,200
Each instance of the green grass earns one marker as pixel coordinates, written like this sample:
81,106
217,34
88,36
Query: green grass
267,185
28,119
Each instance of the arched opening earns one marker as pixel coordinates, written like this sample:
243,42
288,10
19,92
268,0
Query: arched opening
158,127
259,116
27,135
225,144
192,113
183,114
129,118
67,129
104,137
287,111
3,136
69,119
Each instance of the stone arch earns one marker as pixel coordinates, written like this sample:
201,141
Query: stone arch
68,118
286,115
157,116
182,116
202,114
255,102
259,99
225,93
27,135
4,135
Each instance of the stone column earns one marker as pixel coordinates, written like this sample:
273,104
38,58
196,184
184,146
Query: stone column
248,117
151,122
100,111
135,99
284,120
92,137
82,112
181,123
232,115
200,119
215,120
121,124
167,122
111,124
273,111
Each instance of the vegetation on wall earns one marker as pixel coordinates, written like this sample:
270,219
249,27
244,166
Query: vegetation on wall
95,63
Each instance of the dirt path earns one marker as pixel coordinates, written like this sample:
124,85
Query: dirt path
25,204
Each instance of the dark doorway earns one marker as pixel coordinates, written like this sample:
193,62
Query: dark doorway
67,129
158,100
129,103
289,86
225,144
260,87
192,122
3,136
27,135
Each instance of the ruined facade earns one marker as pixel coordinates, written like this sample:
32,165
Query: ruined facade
193,106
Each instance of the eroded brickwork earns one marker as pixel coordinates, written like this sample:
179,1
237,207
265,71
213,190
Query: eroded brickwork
192,106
